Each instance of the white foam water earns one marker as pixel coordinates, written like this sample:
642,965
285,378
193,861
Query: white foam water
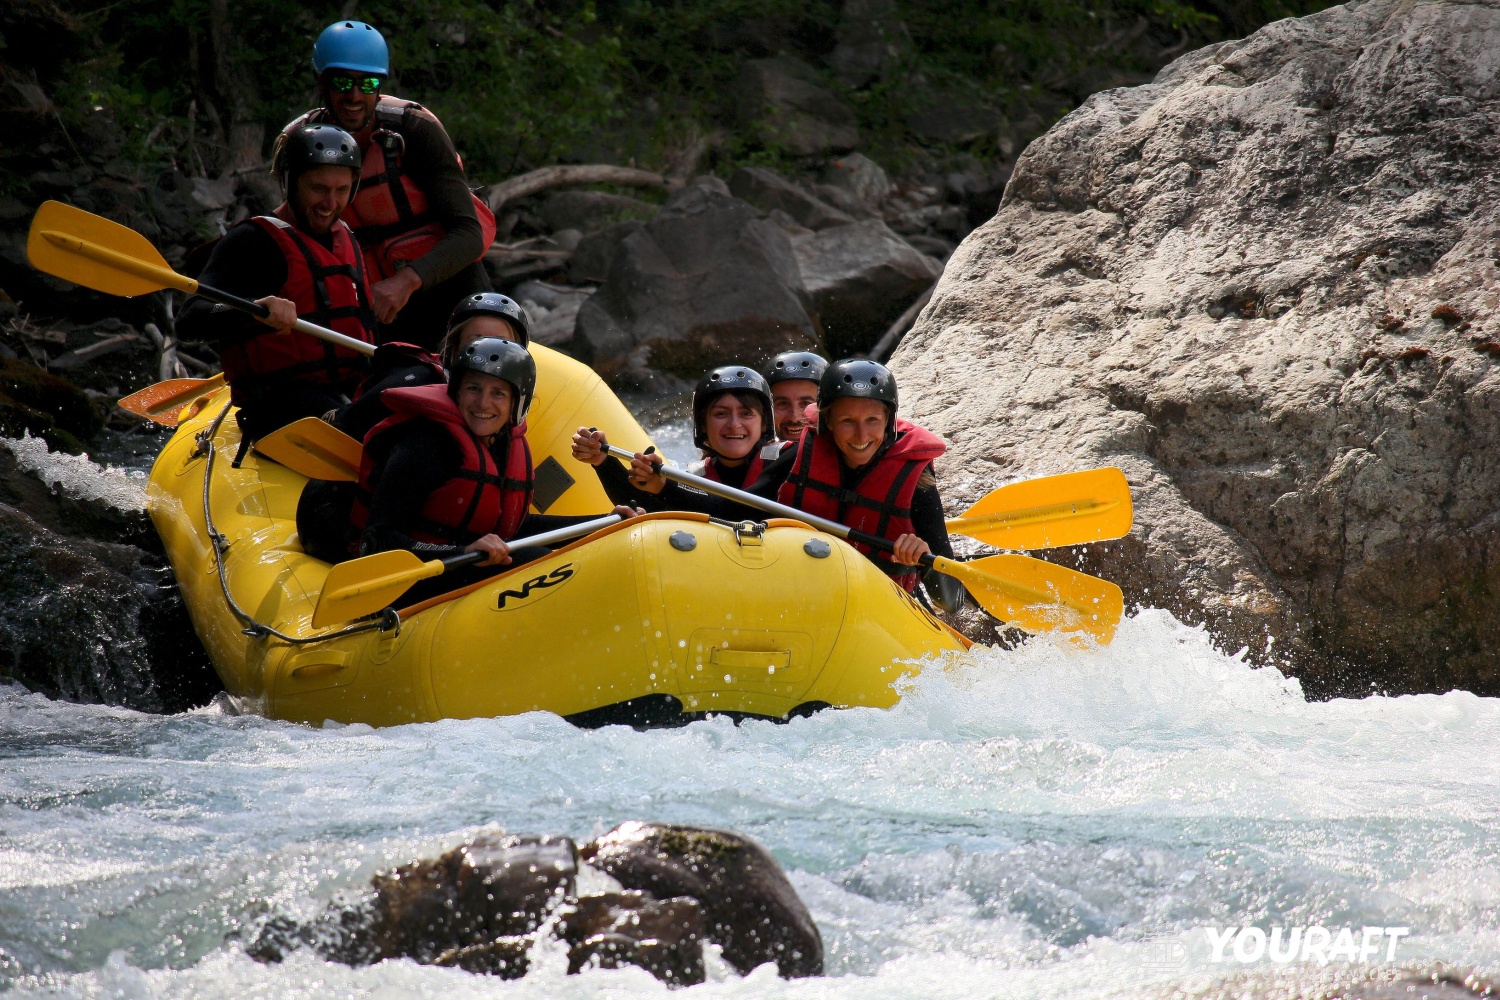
1034,822
77,475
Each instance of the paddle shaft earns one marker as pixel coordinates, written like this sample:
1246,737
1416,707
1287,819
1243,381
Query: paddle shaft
545,538
772,507
171,279
302,326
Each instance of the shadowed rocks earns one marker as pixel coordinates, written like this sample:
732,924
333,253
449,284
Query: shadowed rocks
705,280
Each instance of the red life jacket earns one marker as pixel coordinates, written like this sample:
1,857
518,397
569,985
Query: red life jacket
389,213
880,504
757,463
328,288
480,499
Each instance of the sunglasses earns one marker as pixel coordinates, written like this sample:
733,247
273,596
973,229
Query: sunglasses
344,84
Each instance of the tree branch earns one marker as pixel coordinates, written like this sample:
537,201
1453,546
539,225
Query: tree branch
570,175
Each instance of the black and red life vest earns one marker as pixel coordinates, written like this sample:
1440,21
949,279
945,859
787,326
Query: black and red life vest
767,453
480,499
880,504
389,213
328,288
397,355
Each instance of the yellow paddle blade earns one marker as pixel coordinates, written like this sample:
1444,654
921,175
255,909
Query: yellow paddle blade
363,586
89,250
315,449
1040,596
1072,509
164,401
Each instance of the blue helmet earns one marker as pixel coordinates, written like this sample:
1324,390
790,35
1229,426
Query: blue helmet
351,45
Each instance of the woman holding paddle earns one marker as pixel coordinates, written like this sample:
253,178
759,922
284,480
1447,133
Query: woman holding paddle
856,464
449,472
732,426
323,509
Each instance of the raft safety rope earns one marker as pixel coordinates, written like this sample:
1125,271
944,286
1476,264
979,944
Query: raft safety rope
389,620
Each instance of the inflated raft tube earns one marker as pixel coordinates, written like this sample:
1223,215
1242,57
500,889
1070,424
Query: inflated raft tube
651,620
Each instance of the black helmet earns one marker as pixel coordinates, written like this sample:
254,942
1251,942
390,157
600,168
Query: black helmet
790,365
732,378
312,146
859,378
493,304
503,359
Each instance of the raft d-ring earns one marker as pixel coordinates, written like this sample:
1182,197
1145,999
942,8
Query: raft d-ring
683,541
817,548
749,533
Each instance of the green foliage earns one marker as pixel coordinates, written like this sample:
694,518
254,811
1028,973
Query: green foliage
523,83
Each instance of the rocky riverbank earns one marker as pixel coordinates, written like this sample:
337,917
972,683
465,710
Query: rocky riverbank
1265,285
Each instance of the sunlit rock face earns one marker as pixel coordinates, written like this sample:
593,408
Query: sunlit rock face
1265,286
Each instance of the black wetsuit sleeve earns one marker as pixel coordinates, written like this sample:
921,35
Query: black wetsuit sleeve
928,521
772,475
616,483
432,163
247,263
423,458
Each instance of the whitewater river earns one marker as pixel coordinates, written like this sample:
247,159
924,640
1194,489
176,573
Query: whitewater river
1039,822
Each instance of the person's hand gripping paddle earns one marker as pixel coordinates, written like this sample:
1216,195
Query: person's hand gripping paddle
94,252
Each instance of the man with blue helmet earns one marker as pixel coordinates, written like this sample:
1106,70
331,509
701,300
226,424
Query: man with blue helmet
423,232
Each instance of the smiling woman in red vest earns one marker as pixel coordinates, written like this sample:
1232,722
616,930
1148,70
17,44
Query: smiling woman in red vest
423,232
300,261
861,465
450,472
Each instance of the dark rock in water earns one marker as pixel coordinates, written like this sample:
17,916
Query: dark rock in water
749,907
31,400
1223,283
58,510
94,621
861,277
664,937
495,887
477,907
768,191
588,211
705,282
782,102
483,906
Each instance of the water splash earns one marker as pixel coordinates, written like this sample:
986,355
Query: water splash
1041,821
78,476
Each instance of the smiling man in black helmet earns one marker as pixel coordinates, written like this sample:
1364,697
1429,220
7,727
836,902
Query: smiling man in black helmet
301,261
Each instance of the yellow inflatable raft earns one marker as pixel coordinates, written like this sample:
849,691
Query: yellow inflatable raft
650,620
